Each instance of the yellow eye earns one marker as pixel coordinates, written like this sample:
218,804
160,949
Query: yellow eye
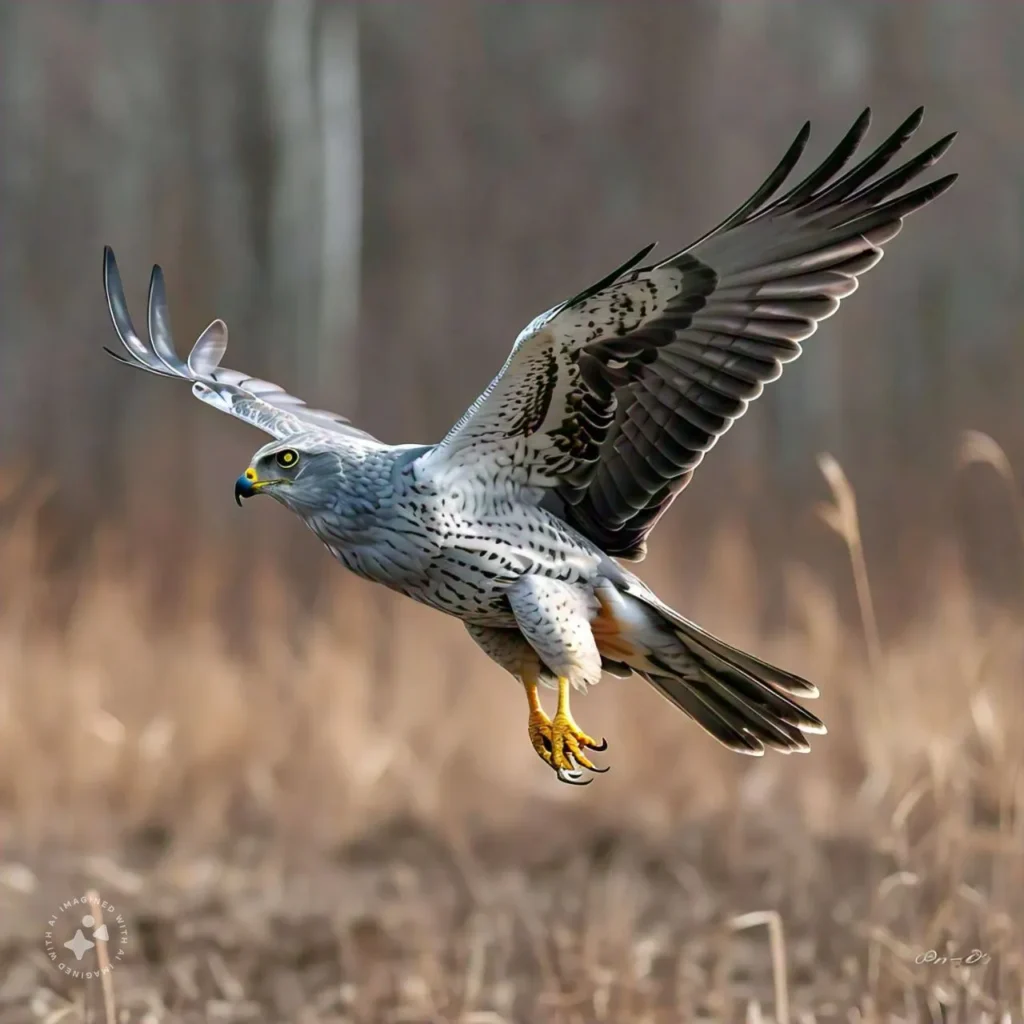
287,458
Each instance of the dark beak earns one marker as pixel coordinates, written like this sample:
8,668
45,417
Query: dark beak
243,489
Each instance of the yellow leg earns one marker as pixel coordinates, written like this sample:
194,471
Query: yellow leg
560,742
540,724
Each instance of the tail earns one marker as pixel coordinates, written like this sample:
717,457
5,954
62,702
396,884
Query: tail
740,700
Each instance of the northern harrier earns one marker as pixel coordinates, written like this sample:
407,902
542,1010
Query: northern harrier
601,413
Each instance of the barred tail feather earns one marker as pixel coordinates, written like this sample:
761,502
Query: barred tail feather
737,698
742,701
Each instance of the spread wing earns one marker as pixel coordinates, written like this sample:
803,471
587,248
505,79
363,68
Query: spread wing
258,402
609,401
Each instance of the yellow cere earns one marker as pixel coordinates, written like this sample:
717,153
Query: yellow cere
250,475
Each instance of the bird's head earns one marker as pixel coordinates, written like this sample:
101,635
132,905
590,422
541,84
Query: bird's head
301,476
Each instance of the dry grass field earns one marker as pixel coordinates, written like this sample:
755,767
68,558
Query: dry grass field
346,822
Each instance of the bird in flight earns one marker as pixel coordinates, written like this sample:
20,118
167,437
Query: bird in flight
517,521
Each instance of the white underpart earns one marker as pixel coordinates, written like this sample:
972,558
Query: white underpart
638,624
555,617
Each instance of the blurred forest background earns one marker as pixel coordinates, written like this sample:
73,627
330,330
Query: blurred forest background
377,197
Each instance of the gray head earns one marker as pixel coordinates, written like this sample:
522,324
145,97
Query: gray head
301,472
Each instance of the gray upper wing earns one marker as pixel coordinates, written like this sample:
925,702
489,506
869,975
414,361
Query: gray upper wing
609,401
259,402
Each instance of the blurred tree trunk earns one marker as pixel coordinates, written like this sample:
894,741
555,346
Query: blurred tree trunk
314,120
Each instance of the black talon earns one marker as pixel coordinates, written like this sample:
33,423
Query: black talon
603,745
601,771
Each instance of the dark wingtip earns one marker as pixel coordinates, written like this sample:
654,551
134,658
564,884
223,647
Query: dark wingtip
863,122
109,265
861,126
113,289
911,123
157,286
796,148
